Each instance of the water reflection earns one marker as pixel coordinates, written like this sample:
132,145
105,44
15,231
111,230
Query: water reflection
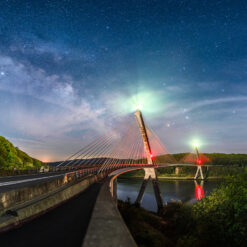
199,190
184,190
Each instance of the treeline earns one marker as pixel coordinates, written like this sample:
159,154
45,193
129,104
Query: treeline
211,172
217,220
227,159
213,158
13,158
221,165
189,172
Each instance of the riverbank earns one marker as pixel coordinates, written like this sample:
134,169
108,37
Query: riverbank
188,178
219,219
188,173
166,177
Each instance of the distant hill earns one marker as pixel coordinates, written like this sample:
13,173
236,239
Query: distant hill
212,159
215,158
12,157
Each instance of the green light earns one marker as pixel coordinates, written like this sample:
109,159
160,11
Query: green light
150,102
196,144
139,107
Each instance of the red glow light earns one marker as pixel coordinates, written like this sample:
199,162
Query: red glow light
199,161
199,192
151,156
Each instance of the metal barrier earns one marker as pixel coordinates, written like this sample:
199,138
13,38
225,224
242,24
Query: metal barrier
74,175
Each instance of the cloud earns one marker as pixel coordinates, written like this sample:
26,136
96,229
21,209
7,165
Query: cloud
216,101
189,107
44,108
47,112
23,79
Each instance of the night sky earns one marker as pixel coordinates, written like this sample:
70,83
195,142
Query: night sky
70,69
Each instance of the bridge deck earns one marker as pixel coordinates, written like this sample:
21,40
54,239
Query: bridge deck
17,182
64,226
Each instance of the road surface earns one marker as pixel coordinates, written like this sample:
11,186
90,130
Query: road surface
17,182
64,226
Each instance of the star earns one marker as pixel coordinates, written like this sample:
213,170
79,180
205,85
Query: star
96,53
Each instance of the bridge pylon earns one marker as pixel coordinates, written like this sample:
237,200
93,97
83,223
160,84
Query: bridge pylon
199,165
149,172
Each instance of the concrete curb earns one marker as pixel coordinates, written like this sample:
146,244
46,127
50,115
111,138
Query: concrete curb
107,227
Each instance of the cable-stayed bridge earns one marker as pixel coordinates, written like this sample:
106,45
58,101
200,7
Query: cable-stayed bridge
90,173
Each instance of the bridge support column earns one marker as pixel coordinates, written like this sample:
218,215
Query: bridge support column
149,172
199,169
158,195
141,191
207,169
177,170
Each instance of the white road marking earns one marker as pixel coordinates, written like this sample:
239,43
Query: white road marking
27,180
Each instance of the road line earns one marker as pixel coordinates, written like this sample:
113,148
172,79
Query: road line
27,180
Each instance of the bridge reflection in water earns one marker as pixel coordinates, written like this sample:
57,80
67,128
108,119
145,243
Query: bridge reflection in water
199,191
184,190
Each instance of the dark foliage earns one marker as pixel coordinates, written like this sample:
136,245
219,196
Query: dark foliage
217,220
13,158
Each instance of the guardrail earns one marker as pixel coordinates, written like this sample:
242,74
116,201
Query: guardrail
4,173
94,170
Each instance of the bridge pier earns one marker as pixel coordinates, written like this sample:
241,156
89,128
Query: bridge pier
141,191
199,165
177,170
151,174
199,169
158,196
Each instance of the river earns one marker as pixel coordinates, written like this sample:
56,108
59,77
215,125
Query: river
185,190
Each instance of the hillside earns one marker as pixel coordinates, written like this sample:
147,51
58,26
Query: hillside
213,158
12,157
225,164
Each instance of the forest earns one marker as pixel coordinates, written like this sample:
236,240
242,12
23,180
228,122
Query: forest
220,165
13,158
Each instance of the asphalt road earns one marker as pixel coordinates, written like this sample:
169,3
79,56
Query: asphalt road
64,226
17,182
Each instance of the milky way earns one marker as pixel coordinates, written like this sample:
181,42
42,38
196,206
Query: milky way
67,68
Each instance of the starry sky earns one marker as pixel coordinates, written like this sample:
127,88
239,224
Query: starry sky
69,70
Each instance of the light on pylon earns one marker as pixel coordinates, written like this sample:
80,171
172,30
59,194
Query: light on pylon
199,161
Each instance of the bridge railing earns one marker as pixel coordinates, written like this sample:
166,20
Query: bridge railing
76,174
70,169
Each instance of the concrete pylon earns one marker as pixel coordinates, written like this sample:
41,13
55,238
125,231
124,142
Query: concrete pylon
199,166
149,172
